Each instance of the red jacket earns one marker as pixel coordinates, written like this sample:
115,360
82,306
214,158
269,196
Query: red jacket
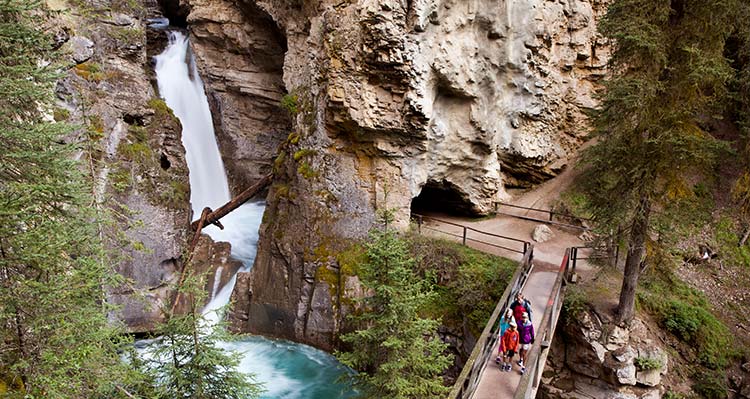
509,341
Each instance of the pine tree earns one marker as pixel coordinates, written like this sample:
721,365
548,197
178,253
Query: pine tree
55,340
668,70
397,351
187,360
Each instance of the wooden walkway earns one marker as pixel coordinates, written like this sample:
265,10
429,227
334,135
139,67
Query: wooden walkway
548,256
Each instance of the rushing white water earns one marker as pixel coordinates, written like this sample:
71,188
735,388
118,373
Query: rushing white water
287,370
182,89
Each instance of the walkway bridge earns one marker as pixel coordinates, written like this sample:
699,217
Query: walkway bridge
542,275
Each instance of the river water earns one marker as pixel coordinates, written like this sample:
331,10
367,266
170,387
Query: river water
287,370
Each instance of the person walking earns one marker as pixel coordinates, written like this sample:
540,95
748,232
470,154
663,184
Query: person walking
526,339
504,324
519,306
509,346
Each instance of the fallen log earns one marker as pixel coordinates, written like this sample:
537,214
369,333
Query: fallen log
212,217
234,203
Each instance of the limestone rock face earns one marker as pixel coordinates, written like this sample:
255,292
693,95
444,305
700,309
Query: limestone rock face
81,49
240,53
591,358
383,99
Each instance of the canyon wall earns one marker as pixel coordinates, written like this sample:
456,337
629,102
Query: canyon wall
358,106
131,145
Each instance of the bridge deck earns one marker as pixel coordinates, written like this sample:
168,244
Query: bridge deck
494,383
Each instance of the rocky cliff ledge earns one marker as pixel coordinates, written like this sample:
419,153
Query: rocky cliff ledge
388,99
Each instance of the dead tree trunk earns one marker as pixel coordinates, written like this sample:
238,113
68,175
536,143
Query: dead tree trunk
212,217
234,203
636,250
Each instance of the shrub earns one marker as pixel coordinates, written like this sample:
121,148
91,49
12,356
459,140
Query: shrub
289,103
60,114
726,237
574,304
305,152
686,313
647,363
90,71
469,282
682,319
710,385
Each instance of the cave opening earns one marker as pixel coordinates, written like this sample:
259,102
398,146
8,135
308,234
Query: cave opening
442,197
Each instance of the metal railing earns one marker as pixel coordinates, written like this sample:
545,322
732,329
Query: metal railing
465,231
468,380
593,253
537,357
548,219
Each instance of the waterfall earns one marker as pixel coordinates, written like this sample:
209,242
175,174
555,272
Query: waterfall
288,370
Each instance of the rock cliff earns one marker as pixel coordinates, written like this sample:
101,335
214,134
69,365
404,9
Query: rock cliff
132,148
461,99
593,358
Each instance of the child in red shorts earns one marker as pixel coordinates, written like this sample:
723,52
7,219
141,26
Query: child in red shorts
509,346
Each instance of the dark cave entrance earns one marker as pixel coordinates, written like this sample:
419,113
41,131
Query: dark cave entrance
442,197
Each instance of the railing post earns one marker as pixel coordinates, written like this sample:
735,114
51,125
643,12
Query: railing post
464,235
550,213
419,224
575,257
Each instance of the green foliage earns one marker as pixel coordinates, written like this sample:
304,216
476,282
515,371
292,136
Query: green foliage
673,395
55,339
350,259
397,351
710,385
60,114
727,239
175,194
160,107
469,282
574,304
647,363
128,35
307,171
687,314
305,152
188,362
135,147
289,102
575,203
668,71
120,179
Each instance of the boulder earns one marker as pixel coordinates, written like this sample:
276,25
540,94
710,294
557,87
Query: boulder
81,49
649,378
542,233
620,366
618,338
